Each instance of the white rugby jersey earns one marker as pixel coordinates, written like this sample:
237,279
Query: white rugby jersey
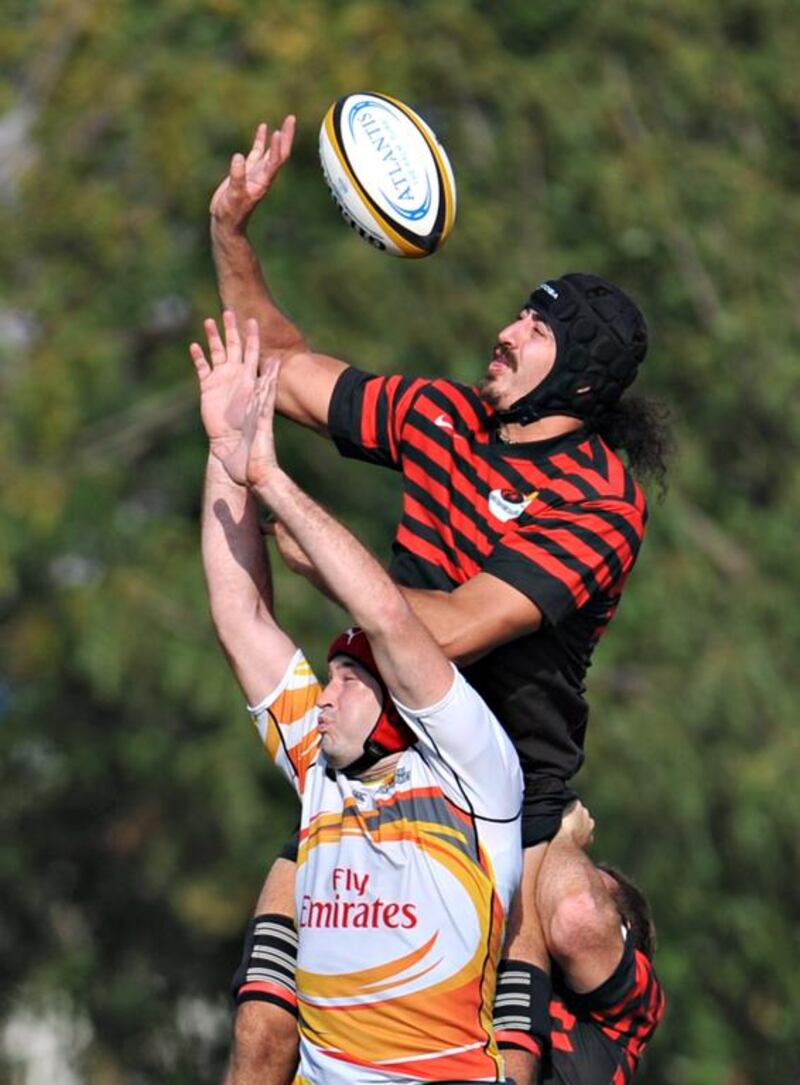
403,887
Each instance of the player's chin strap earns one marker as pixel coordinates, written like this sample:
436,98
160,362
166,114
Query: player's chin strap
373,753
601,339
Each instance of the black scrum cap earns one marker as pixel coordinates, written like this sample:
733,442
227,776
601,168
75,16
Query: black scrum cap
601,339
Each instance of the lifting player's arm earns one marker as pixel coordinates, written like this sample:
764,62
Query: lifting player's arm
307,378
466,623
475,617
579,918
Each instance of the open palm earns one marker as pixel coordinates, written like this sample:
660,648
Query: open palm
227,382
250,178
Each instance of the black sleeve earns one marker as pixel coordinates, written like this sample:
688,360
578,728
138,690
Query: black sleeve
630,1003
617,987
367,414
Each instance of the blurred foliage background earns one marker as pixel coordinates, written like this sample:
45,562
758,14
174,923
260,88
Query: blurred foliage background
656,144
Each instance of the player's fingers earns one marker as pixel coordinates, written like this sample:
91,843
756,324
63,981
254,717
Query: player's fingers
271,370
283,145
275,156
233,341
202,368
255,155
288,129
215,347
262,417
268,388
237,172
252,347
259,143
222,188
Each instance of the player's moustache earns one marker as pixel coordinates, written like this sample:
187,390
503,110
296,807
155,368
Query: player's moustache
501,350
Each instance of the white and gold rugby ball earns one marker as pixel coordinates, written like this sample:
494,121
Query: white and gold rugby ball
388,174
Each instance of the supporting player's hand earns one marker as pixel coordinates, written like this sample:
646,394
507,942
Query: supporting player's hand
250,178
227,381
577,824
295,557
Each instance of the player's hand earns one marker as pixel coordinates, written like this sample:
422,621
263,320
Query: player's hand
227,382
577,824
293,555
250,178
259,436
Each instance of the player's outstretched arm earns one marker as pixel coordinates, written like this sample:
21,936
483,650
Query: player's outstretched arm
240,280
415,670
308,378
579,918
234,557
466,623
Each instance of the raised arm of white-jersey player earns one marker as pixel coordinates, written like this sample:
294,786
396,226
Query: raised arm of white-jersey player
234,557
308,378
475,617
240,586
414,668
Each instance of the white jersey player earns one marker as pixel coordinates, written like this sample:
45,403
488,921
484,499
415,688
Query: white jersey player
409,846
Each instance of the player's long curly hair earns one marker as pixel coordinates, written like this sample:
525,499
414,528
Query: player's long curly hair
640,427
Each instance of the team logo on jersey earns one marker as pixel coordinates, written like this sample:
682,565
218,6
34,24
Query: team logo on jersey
509,504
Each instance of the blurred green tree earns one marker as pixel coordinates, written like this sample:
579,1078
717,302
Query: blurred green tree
656,145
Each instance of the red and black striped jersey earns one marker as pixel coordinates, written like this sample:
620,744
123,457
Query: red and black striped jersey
561,520
599,1038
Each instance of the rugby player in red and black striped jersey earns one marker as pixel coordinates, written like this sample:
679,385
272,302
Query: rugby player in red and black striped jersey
520,521
606,1001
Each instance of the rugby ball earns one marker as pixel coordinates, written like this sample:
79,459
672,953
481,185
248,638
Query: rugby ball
388,174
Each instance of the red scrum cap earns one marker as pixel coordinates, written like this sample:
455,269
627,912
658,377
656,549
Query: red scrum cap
390,733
